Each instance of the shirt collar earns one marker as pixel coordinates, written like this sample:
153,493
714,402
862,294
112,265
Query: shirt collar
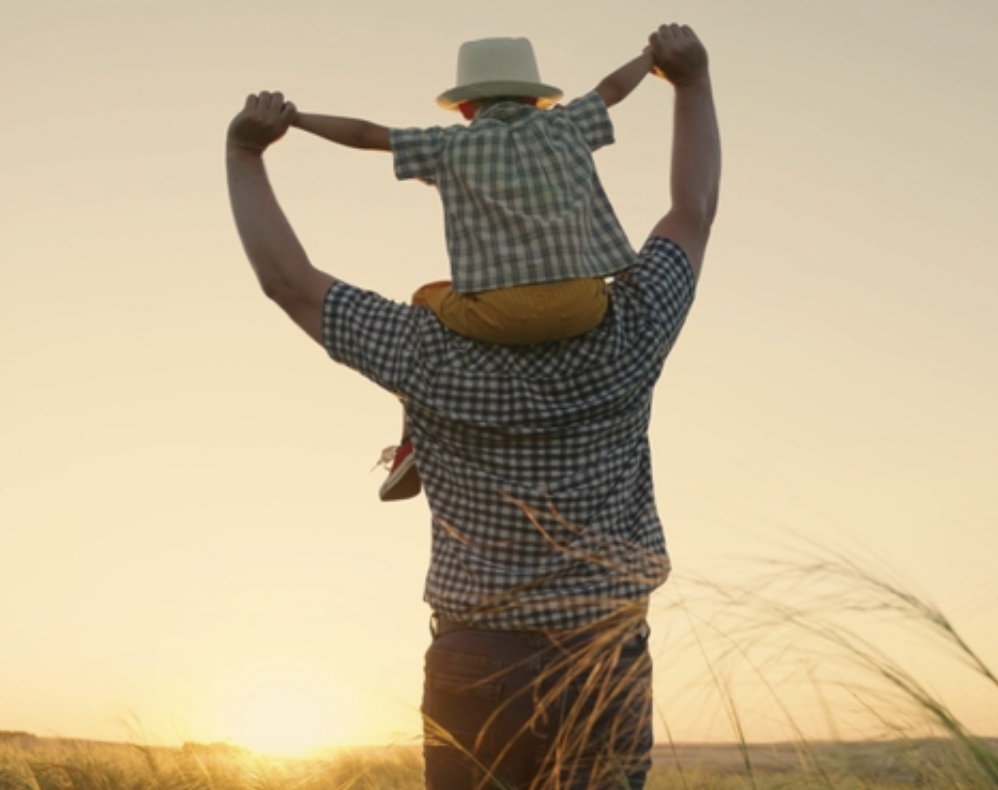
506,111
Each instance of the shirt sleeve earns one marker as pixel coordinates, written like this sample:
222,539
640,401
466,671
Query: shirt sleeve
370,334
417,152
662,286
590,116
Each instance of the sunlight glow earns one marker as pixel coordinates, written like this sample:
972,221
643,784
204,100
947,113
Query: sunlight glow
284,715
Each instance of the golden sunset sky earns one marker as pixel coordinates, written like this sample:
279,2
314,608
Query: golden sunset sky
191,543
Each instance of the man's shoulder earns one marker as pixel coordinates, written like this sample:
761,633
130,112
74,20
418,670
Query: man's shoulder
661,285
352,315
659,259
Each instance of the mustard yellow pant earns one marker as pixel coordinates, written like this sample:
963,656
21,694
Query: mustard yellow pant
520,315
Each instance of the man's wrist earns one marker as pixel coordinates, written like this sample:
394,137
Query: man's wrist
235,149
700,81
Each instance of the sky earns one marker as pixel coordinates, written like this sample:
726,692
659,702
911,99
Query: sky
191,543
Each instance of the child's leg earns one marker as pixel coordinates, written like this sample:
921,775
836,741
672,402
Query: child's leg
521,315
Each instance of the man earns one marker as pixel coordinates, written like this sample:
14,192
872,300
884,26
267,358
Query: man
546,544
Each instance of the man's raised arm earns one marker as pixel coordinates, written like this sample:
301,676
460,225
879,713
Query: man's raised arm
278,258
695,175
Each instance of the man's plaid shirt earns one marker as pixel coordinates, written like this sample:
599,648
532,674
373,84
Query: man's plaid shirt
535,459
522,200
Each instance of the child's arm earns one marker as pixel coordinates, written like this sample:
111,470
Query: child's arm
351,132
616,87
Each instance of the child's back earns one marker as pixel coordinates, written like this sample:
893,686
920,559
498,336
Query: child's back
523,204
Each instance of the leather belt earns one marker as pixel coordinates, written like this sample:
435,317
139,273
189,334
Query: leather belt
441,625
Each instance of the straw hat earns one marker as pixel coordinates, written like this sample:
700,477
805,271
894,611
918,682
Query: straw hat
494,67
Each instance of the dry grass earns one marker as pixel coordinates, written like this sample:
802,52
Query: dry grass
825,621
59,765
820,615
890,765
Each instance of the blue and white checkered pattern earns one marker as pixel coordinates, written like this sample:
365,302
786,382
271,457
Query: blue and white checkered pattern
534,459
522,199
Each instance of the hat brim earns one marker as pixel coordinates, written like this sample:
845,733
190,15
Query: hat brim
545,94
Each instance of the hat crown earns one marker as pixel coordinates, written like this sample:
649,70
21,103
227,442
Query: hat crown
495,60
497,67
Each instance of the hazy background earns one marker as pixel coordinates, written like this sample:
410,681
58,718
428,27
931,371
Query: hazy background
191,543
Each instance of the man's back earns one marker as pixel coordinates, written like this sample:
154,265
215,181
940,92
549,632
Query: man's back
534,460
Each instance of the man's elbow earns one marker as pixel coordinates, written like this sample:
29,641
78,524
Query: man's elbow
698,213
275,288
689,224
710,210
271,291
300,296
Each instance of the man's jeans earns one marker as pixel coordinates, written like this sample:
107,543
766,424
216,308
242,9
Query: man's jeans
522,710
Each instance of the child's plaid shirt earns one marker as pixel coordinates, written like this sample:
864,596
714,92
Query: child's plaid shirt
535,459
522,201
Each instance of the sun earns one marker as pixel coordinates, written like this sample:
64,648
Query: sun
286,715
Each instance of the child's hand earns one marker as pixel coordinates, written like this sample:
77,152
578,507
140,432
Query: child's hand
678,54
263,121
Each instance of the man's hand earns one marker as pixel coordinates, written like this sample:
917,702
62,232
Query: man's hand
679,56
263,121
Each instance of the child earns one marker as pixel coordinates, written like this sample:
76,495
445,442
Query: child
530,232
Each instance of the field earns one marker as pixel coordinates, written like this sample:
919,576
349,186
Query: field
833,626
28,763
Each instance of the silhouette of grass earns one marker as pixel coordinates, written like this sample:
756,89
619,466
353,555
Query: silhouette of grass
850,632
819,619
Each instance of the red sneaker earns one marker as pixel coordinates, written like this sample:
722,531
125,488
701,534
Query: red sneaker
403,479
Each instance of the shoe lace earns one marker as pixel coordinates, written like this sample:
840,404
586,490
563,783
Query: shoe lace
387,457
